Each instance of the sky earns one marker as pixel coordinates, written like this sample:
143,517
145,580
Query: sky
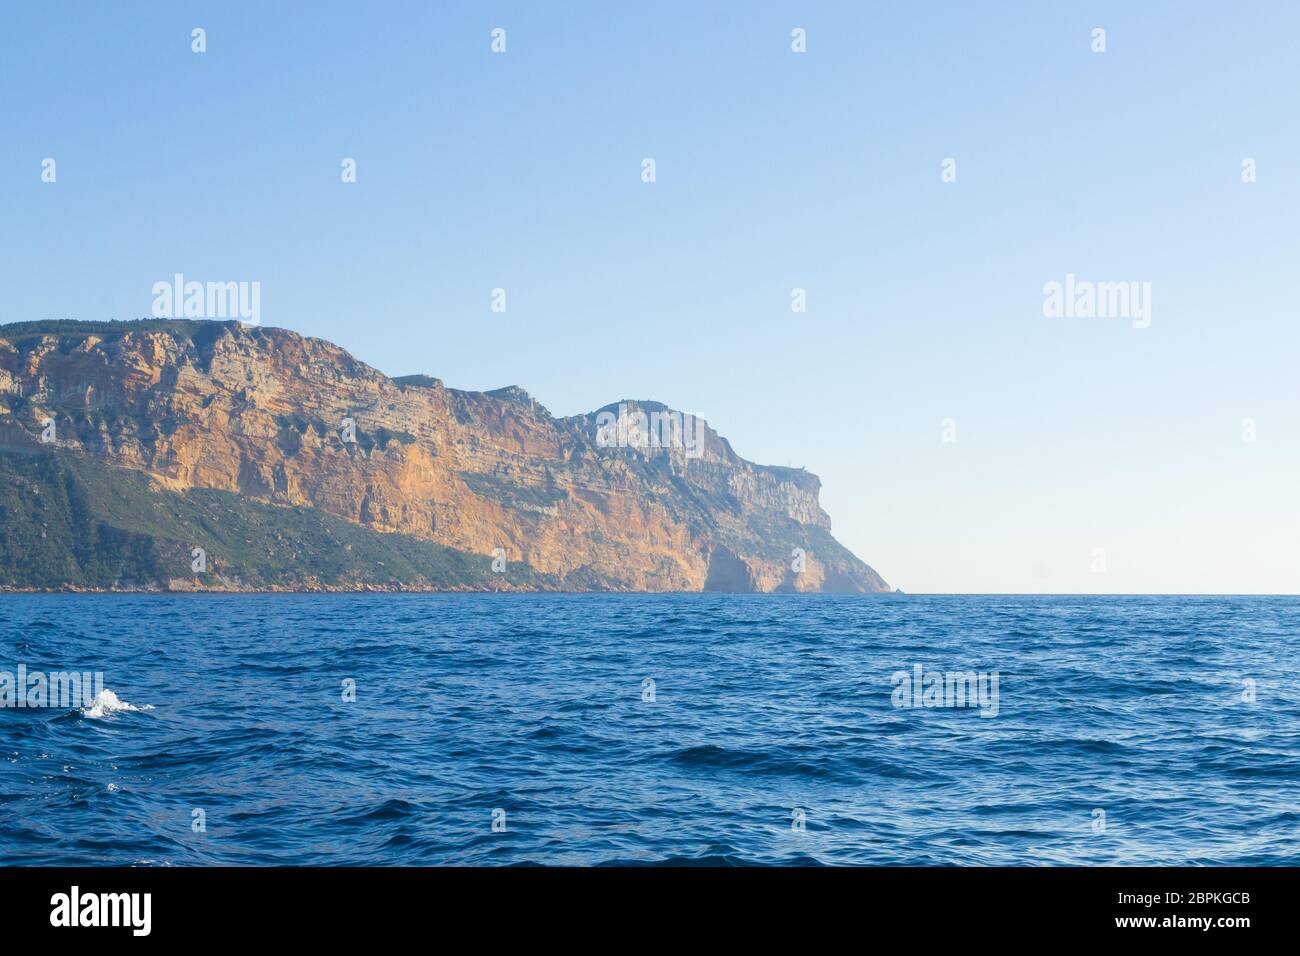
966,441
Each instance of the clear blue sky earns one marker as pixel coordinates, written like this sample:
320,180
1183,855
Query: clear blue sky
774,170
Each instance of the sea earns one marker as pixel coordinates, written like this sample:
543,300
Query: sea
700,729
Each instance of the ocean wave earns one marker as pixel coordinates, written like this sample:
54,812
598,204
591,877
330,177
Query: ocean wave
106,702
770,740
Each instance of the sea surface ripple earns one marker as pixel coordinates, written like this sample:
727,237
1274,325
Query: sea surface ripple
772,736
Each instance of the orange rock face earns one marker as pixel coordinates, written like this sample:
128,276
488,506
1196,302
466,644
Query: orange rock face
288,420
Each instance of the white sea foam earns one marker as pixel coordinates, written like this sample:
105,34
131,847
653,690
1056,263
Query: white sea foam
107,702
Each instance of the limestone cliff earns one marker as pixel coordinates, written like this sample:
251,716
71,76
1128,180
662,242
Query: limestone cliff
243,440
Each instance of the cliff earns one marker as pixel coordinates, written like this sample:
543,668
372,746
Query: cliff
125,447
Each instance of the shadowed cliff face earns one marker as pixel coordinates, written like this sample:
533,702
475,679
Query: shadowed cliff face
632,497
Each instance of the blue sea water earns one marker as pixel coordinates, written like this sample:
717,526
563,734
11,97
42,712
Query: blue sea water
1124,732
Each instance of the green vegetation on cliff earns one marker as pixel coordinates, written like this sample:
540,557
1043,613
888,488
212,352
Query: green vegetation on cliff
68,518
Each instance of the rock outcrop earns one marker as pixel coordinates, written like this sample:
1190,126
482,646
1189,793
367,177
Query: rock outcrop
288,434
